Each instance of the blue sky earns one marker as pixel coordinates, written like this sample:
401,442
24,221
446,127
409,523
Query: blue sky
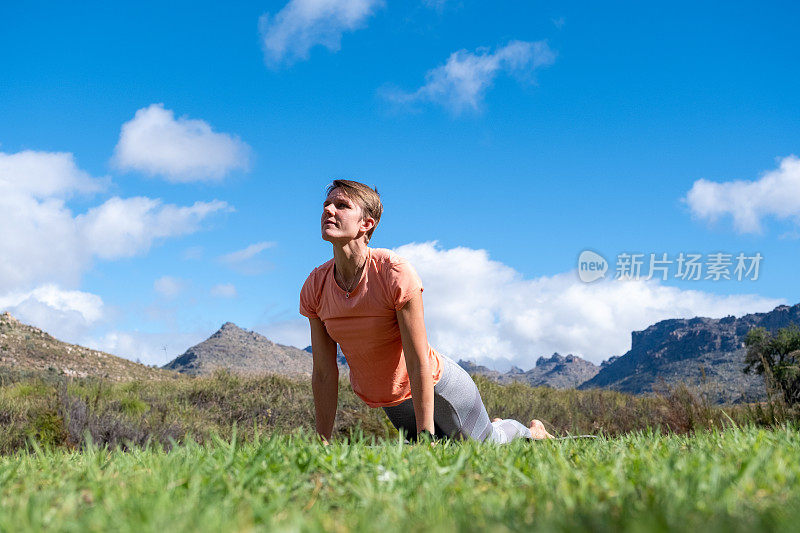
162,167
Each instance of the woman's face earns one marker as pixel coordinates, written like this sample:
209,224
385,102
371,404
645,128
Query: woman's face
341,218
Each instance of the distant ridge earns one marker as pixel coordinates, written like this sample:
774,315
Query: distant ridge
241,351
704,353
557,371
700,351
24,347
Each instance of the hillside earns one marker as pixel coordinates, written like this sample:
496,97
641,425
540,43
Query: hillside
243,352
24,347
703,352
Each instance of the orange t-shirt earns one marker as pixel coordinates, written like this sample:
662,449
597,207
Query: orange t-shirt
365,324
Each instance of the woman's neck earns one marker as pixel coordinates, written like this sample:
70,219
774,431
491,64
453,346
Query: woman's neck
349,258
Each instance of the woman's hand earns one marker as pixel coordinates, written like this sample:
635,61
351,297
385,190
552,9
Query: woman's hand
411,320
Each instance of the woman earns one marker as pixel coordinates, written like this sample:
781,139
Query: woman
369,301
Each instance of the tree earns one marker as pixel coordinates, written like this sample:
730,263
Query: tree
777,358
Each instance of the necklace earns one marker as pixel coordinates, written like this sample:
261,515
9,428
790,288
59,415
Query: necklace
350,286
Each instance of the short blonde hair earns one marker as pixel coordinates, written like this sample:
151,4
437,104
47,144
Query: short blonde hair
365,196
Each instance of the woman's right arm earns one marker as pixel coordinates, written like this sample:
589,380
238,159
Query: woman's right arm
324,378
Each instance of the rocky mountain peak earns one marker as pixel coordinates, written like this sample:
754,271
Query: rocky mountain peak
555,358
609,361
241,351
235,334
557,371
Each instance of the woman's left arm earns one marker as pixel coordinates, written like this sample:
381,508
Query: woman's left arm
411,319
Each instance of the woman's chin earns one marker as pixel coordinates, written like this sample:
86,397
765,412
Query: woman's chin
330,236
335,238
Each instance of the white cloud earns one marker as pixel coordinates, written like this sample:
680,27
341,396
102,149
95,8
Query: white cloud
44,175
183,150
72,316
294,332
246,261
290,34
40,243
45,247
149,348
168,286
483,310
43,242
463,80
124,227
247,253
37,231
776,193
65,314
224,290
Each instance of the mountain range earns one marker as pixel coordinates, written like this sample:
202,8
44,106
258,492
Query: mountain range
704,353
557,371
701,352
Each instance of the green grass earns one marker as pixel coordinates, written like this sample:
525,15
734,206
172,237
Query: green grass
228,453
734,480
52,410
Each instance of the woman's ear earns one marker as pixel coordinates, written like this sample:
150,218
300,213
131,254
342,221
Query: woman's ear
367,223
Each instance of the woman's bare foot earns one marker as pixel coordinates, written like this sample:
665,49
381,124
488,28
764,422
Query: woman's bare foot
496,419
538,431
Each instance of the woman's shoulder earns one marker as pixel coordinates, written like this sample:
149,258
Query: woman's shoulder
311,291
398,277
385,257
391,266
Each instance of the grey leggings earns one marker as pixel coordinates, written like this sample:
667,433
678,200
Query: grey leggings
458,411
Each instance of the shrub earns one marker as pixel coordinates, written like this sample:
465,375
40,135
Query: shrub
104,425
48,430
777,357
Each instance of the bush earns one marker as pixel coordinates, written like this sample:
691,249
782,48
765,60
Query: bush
777,358
48,430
